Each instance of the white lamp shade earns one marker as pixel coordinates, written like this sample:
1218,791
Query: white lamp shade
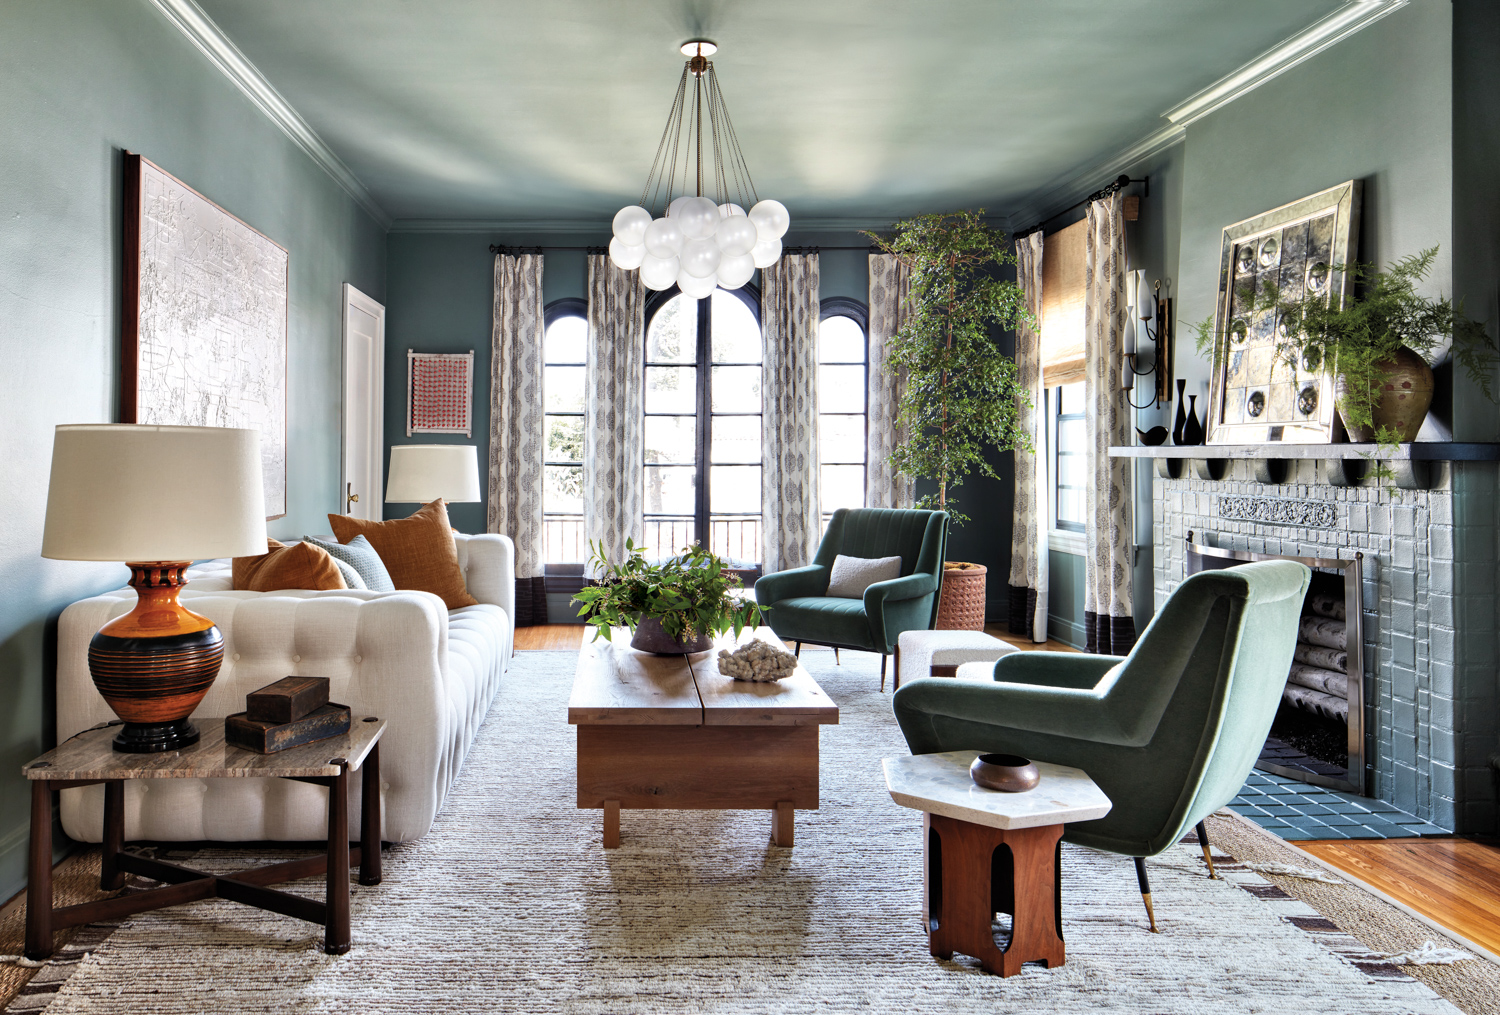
148,493
421,473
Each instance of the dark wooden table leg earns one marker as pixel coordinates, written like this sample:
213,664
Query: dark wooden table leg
369,819
39,873
336,932
110,875
611,824
961,898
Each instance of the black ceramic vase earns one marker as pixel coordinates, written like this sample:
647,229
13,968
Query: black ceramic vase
1192,430
1181,413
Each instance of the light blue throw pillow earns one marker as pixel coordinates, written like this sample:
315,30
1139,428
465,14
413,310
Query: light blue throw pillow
352,580
360,555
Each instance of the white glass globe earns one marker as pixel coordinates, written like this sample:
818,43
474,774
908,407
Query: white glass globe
698,217
663,238
735,270
700,258
766,253
659,273
676,205
696,287
736,235
726,210
630,225
771,218
626,256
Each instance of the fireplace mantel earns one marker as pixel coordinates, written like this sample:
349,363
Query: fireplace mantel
1347,464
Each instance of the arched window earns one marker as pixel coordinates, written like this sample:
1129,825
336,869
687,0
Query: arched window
842,394
703,424
564,363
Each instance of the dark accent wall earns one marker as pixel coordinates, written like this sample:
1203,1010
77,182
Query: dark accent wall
441,288
81,82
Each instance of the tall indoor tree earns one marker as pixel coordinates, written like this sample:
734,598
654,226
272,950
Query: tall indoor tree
962,395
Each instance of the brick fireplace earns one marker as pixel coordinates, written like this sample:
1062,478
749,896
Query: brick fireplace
1427,609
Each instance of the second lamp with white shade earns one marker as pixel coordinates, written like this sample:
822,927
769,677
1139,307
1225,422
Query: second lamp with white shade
422,473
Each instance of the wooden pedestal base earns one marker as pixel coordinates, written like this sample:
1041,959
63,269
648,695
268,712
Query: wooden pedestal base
973,872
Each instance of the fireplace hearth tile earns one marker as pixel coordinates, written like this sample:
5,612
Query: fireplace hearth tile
1297,811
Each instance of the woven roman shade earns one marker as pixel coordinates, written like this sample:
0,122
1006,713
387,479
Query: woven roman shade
1062,306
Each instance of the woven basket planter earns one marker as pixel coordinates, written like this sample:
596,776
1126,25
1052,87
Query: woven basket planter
961,601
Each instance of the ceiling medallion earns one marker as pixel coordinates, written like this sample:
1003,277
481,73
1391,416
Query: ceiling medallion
698,243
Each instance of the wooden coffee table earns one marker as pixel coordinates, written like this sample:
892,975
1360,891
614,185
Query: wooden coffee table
672,732
89,759
962,827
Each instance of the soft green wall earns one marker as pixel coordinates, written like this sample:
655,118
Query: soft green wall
81,81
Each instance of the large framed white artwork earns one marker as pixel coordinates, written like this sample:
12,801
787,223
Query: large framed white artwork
203,322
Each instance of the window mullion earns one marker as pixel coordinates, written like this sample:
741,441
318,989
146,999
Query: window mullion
705,419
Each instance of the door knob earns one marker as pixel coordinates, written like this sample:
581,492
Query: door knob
350,497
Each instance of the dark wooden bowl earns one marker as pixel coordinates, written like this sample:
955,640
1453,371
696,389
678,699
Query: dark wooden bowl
1009,773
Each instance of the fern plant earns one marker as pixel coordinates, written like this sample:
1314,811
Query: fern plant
962,394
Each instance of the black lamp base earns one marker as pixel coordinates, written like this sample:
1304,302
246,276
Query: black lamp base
154,738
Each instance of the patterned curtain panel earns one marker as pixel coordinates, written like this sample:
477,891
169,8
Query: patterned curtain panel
1109,626
890,285
790,522
613,425
515,482
1028,546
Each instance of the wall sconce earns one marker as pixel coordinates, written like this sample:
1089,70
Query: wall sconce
1153,327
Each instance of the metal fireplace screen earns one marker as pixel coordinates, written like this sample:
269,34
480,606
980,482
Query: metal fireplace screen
1326,679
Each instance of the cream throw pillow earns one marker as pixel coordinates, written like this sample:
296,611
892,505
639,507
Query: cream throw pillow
850,576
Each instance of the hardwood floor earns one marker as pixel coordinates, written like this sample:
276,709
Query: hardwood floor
1454,882
569,638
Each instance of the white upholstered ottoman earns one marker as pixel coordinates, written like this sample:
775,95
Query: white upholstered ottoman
940,653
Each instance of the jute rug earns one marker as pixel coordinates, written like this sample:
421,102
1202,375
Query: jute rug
510,905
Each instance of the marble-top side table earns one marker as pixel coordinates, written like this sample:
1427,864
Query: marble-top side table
965,882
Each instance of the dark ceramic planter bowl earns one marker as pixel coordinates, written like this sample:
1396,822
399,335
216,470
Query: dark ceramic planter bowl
650,637
1008,773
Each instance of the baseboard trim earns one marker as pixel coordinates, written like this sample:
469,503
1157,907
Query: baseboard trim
1065,631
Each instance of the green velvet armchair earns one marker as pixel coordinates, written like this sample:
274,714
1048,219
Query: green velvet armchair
1169,732
799,610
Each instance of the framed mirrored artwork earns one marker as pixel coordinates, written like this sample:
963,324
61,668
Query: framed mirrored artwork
1255,395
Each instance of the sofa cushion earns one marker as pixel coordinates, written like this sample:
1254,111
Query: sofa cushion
418,551
359,555
299,566
850,576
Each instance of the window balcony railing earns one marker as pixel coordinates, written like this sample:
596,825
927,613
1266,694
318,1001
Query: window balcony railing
734,537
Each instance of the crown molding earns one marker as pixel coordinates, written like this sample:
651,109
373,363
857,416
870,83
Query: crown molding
1312,40
1074,186
191,21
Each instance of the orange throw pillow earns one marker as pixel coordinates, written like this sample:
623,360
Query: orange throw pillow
299,566
418,551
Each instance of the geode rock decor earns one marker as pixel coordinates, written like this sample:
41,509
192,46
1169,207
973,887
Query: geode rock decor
757,662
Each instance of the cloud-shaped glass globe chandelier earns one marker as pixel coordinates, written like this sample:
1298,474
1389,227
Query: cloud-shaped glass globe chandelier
698,242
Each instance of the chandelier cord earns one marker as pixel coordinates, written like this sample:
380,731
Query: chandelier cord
730,176
656,163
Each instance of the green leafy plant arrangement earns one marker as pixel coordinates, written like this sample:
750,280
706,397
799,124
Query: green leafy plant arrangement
962,393
690,594
1358,338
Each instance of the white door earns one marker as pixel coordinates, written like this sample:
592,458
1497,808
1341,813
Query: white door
364,405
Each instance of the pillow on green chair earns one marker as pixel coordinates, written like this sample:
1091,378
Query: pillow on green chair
850,576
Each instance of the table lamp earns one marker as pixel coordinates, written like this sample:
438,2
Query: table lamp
422,473
157,498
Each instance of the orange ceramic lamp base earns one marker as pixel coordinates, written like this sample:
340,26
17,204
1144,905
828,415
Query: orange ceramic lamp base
154,665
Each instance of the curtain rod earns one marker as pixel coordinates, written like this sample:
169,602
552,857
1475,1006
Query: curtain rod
1120,183
496,248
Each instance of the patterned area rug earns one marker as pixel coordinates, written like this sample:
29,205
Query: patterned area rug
510,905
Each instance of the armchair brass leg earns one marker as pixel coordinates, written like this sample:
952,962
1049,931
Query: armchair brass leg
836,656
798,650
1145,883
883,658
1208,857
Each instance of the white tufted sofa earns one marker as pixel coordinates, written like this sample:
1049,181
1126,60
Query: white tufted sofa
429,671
